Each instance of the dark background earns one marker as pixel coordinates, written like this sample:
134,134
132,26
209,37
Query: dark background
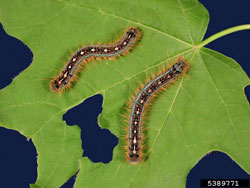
18,156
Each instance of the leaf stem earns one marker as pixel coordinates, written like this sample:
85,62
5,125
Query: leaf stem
223,33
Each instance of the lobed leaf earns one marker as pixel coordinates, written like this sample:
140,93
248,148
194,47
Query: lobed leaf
205,110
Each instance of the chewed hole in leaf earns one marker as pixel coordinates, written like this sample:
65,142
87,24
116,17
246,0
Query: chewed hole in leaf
97,143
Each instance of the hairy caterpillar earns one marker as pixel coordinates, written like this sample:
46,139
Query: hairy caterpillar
88,52
138,105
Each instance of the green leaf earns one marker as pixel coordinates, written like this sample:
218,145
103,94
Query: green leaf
203,111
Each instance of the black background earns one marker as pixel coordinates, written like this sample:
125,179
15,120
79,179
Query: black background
18,156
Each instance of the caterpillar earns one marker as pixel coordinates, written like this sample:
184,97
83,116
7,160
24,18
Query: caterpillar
86,53
139,103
